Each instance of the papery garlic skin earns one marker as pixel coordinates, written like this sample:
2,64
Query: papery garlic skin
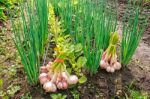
110,69
43,78
73,79
49,87
117,66
64,76
103,64
59,85
65,85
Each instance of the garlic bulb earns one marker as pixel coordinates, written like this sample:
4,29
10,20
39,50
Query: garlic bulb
73,79
65,85
49,87
43,69
64,76
43,78
60,85
117,66
110,69
103,64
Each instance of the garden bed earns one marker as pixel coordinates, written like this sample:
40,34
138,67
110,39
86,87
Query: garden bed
136,76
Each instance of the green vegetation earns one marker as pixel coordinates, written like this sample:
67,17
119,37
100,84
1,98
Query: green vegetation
26,96
58,96
132,33
136,94
75,94
6,6
30,36
11,79
89,23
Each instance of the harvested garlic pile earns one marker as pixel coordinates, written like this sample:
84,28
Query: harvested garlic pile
54,76
109,57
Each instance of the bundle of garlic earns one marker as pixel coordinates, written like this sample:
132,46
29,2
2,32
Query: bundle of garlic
54,75
109,57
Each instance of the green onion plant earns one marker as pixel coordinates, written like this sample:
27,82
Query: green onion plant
132,32
31,35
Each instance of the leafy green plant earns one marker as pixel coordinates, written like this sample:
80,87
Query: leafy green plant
75,94
2,93
147,1
12,89
9,91
66,54
58,96
31,35
131,34
138,95
65,48
6,6
2,15
26,96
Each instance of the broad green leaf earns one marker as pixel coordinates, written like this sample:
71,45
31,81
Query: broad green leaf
69,70
1,83
78,48
83,79
81,62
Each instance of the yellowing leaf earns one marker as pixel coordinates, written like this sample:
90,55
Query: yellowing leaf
82,80
81,62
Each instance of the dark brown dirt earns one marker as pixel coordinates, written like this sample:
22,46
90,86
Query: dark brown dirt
146,37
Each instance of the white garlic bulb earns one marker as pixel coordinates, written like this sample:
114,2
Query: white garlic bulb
49,87
73,79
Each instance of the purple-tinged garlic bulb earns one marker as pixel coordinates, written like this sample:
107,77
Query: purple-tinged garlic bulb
103,64
43,78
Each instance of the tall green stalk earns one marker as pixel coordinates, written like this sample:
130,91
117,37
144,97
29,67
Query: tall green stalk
30,36
132,32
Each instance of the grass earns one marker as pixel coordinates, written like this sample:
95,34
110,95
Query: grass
30,36
134,93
